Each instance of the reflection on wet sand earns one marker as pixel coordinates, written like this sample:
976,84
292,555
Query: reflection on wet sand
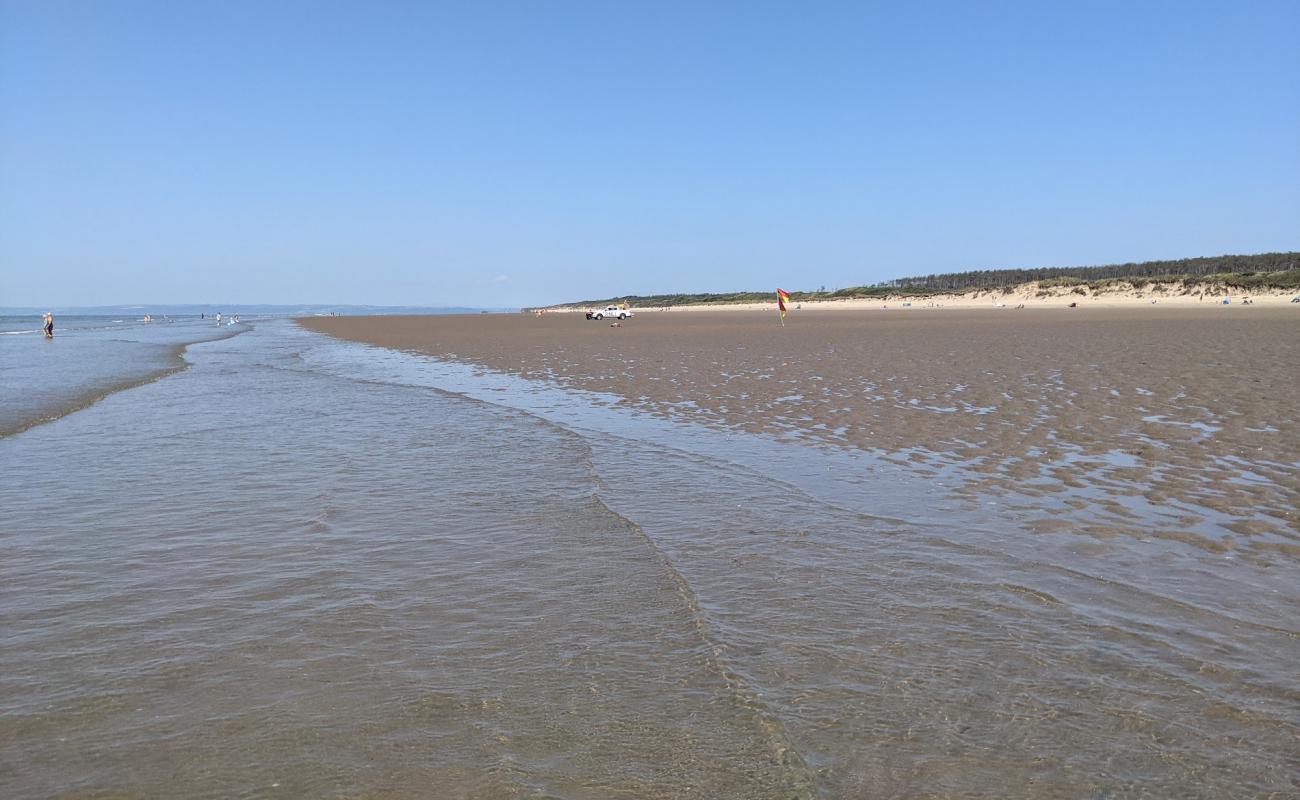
312,568
1173,424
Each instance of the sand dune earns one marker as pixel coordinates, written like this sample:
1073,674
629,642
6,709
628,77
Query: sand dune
1030,295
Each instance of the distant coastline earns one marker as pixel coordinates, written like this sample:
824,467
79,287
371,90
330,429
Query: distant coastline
1270,277
1114,294
262,309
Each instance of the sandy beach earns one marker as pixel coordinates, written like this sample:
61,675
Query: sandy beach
997,497
1033,553
1133,420
1028,295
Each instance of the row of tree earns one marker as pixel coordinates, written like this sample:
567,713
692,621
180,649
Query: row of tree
1256,271
1185,267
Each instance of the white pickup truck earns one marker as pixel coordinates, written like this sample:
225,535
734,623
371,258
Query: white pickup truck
609,311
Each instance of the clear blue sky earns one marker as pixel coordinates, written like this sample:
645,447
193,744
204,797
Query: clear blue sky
502,154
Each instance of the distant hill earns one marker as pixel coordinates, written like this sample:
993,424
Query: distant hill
1262,271
248,309
1183,268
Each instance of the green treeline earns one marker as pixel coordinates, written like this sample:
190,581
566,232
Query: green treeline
1182,268
729,298
1262,271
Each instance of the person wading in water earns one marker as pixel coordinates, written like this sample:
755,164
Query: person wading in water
49,325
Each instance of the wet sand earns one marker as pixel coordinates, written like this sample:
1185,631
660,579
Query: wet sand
1174,424
303,567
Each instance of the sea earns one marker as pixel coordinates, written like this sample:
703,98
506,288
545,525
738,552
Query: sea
255,561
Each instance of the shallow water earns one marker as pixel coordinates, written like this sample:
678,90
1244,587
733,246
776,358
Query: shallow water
88,358
1169,424
304,567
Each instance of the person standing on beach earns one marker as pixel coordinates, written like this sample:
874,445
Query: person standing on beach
49,324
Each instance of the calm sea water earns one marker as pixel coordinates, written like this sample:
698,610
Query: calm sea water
88,358
303,568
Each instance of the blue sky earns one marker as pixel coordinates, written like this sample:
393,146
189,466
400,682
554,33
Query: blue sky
505,154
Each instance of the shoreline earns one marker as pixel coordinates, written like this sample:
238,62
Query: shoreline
1045,401
1101,484
1029,295
1053,402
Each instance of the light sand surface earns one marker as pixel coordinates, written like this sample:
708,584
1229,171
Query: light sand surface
1168,422
1029,295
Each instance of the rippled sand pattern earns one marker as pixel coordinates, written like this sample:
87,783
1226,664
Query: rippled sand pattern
267,582
299,569
927,664
1172,424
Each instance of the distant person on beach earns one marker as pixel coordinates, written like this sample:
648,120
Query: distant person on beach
49,324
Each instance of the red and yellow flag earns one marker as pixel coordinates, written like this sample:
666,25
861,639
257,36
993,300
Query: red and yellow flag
782,297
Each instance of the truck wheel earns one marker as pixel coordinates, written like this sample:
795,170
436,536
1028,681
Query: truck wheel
599,316
622,316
